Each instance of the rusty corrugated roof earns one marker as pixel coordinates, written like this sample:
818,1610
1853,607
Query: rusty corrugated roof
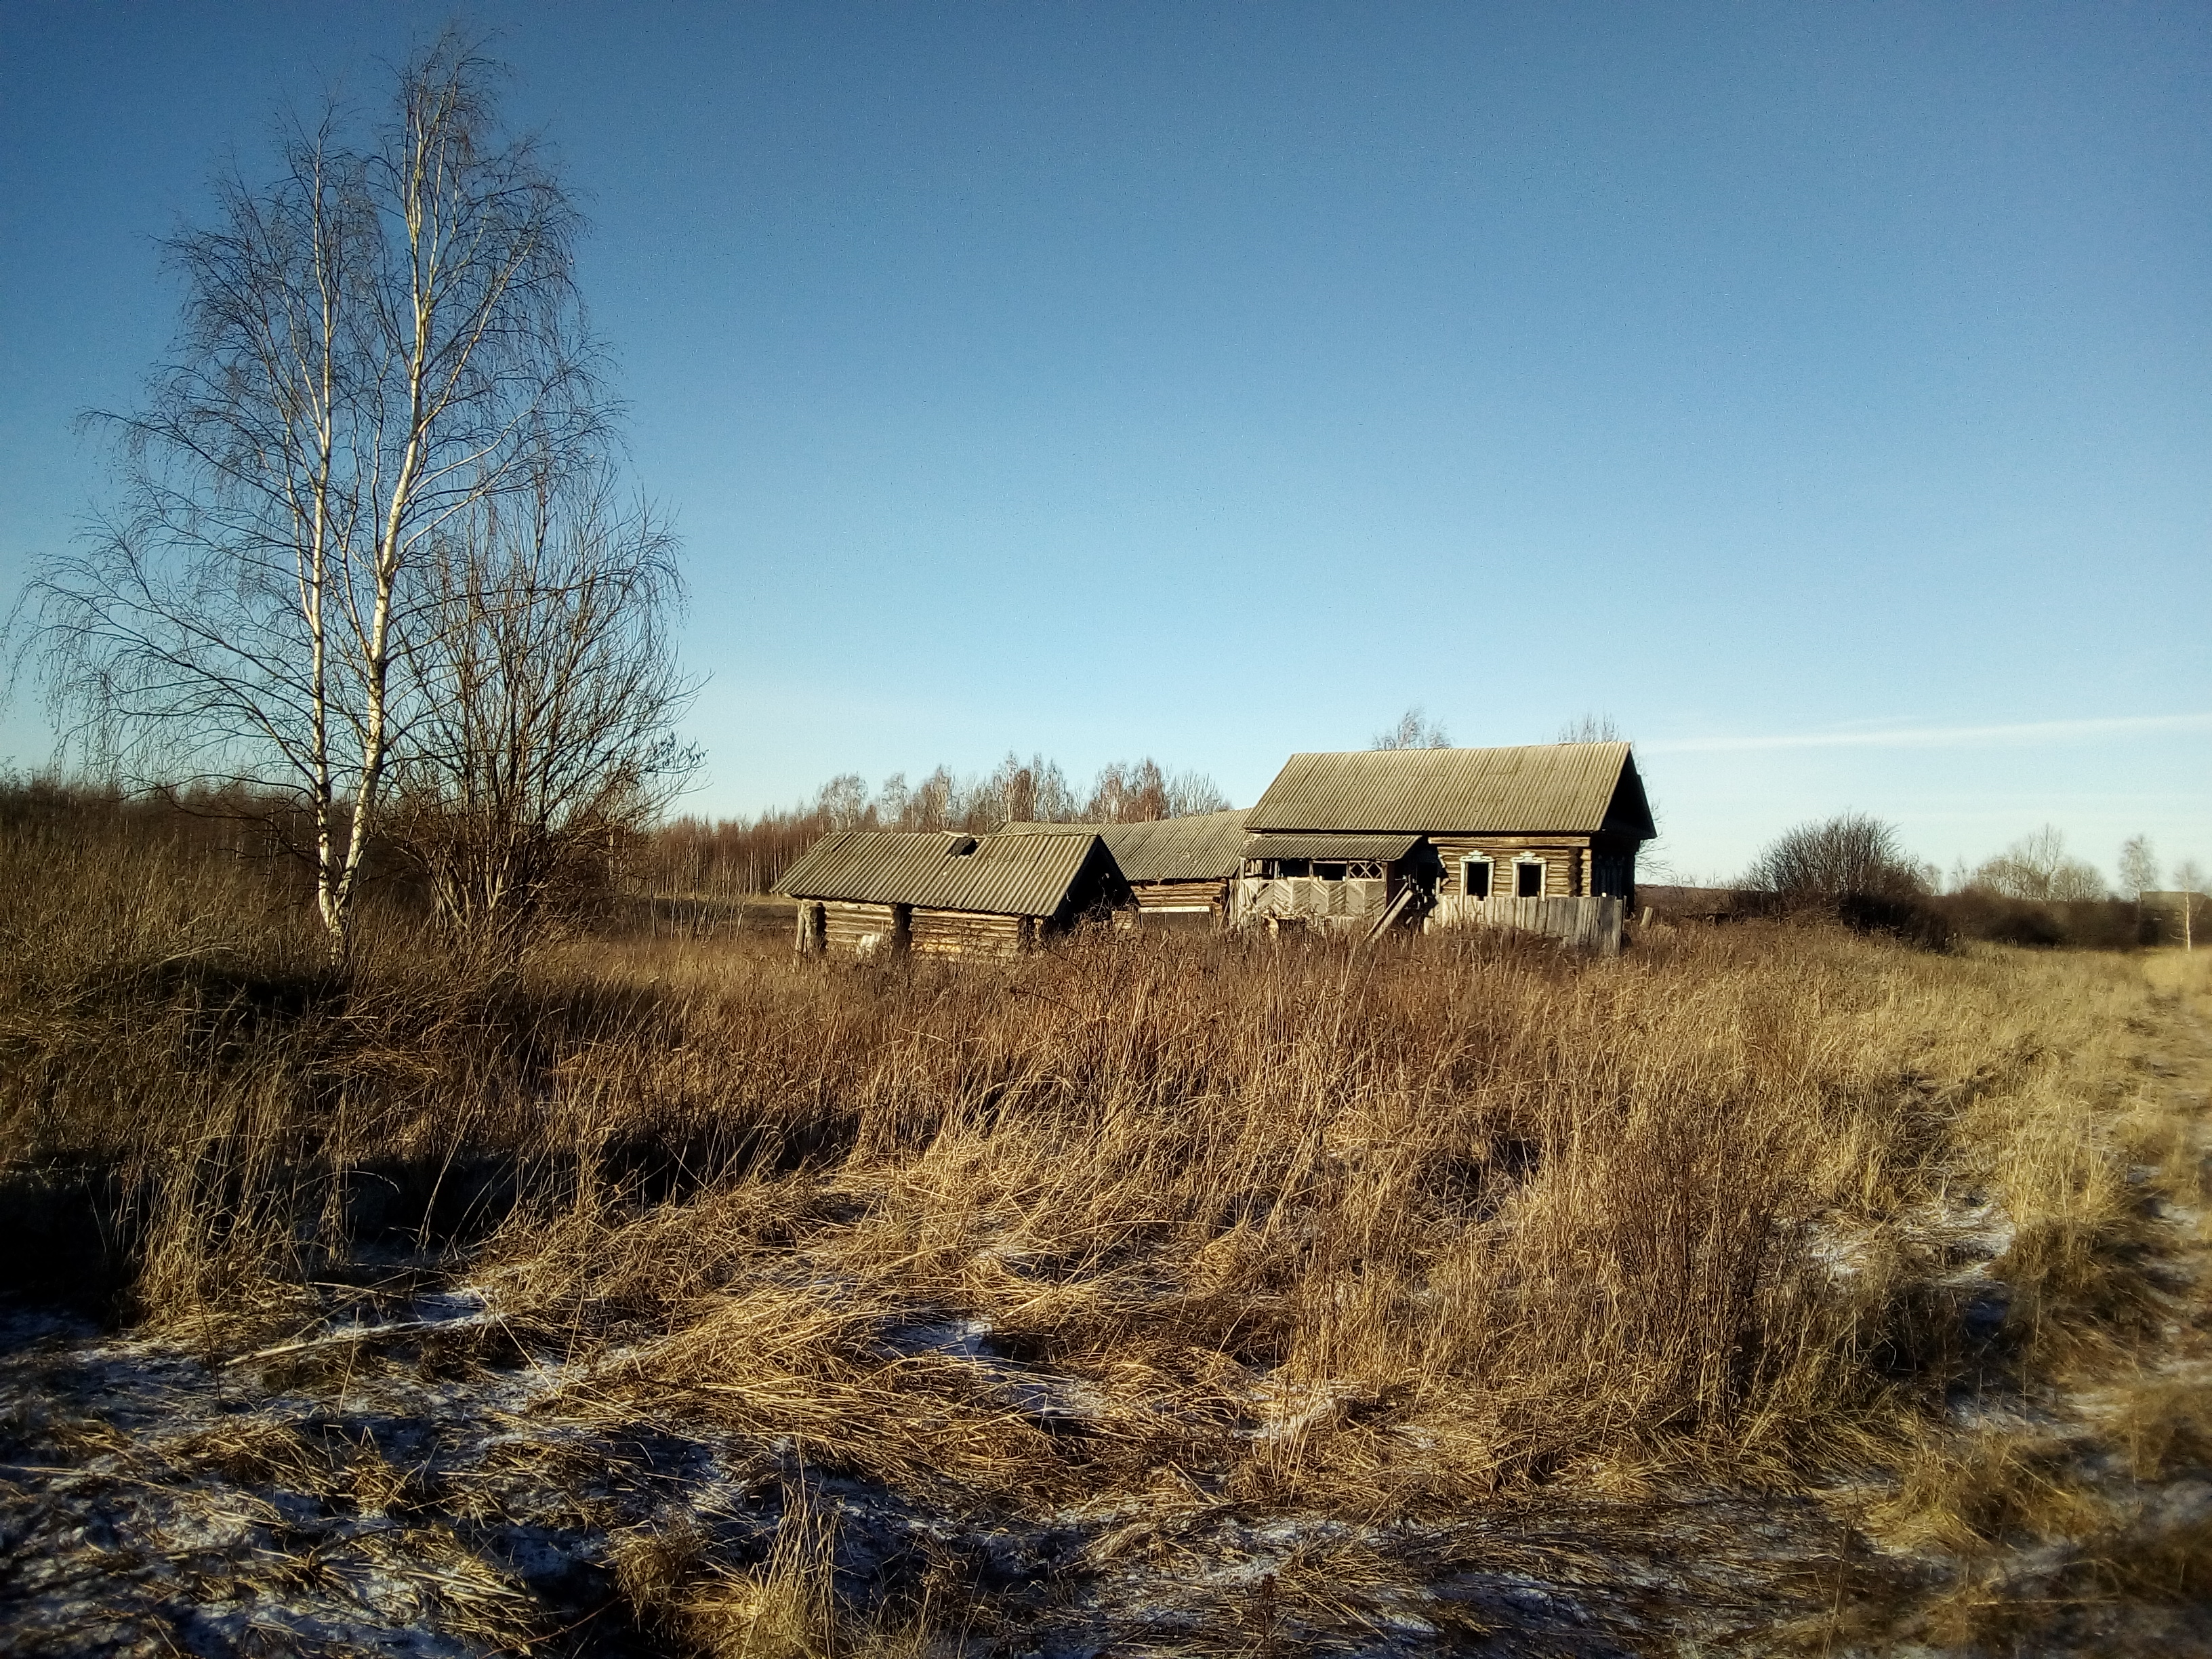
1573,788
1202,848
1313,845
1004,876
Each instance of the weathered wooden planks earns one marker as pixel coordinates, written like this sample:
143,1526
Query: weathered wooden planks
1309,898
1587,921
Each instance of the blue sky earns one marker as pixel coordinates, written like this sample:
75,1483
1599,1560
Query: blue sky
1824,393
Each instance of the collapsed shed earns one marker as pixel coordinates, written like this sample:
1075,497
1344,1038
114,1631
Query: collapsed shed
1179,870
940,893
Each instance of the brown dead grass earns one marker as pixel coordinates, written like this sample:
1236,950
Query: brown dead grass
1375,1236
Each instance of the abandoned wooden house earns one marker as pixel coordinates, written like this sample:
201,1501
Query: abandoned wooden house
1379,836
934,893
1180,871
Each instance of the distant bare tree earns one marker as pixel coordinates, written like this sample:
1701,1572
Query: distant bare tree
1852,854
1590,728
843,801
2189,881
892,797
931,804
548,697
1191,794
2138,866
1034,790
380,336
2037,867
1127,793
1413,731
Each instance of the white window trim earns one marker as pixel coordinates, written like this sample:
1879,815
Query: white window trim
1542,866
1482,859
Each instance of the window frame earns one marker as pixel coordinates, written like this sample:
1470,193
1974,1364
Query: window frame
1489,879
1535,862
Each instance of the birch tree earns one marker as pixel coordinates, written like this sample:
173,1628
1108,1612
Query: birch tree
548,693
381,335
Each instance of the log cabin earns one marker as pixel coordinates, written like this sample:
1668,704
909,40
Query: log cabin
1180,871
1418,830
944,894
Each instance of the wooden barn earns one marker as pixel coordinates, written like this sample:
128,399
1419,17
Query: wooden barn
1180,870
1444,831
943,894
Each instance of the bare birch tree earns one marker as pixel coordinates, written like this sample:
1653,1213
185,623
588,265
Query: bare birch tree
543,693
2138,866
379,336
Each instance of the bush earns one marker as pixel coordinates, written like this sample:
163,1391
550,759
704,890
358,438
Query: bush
2083,924
1913,917
1852,856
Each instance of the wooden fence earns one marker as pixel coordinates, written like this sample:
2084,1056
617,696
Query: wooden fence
1590,923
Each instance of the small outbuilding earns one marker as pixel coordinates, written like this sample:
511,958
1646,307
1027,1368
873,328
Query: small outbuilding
940,893
1180,870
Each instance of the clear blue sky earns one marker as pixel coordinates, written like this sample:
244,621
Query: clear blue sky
1825,393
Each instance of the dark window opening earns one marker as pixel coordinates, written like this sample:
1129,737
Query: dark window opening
1528,880
1292,866
1329,871
1475,878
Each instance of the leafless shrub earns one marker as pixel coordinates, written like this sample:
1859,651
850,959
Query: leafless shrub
541,740
1851,853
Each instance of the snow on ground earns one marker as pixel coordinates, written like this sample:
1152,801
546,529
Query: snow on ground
418,1485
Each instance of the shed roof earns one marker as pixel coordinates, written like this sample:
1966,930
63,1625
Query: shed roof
1312,845
1202,848
1004,875
1574,788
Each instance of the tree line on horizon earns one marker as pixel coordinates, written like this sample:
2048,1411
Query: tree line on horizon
1854,853
728,857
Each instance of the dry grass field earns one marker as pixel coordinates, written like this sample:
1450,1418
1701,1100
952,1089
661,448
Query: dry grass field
1765,1290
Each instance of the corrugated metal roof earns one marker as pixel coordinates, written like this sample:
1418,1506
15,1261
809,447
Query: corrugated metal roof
1005,876
1312,846
1574,788
1202,848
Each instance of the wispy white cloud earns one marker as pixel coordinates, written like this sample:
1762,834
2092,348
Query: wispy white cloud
1949,736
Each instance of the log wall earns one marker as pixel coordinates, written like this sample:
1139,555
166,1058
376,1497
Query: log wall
861,929
1188,896
968,933
1566,861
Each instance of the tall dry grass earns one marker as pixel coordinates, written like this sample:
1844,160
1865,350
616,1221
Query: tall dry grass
1375,1235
